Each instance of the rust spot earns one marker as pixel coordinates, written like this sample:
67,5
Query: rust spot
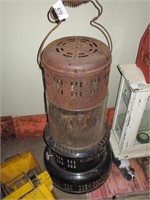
7,128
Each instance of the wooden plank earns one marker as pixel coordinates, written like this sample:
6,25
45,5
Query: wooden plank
110,185
116,183
120,181
102,192
145,165
140,181
29,126
107,190
98,193
109,116
131,187
90,196
6,127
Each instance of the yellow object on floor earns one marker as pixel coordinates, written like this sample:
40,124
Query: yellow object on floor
22,178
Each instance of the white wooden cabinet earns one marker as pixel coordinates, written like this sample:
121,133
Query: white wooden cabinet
130,131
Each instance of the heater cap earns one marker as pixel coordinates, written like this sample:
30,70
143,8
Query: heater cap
76,72
76,54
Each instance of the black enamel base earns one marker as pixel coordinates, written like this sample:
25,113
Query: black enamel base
78,182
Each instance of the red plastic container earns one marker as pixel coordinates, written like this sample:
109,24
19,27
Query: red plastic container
143,57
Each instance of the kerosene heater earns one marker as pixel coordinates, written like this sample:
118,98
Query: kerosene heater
76,74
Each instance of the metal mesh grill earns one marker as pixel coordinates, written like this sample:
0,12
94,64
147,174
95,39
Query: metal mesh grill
76,72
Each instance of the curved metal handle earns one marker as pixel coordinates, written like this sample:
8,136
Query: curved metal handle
73,3
43,42
100,27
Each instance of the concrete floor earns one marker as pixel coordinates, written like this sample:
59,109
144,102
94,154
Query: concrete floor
11,147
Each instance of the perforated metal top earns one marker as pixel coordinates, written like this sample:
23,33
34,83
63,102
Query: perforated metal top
76,54
76,72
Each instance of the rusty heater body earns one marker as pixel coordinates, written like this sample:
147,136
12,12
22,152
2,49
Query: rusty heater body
76,73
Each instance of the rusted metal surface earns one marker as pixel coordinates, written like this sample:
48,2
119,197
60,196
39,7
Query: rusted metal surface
76,72
74,3
6,127
29,126
109,116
